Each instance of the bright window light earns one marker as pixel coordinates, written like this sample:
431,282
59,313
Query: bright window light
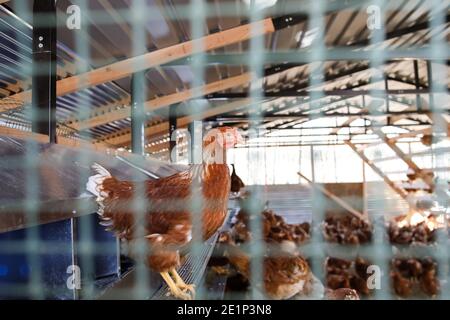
308,38
260,4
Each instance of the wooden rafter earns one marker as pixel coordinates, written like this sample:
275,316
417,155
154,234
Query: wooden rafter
72,143
415,133
122,138
405,158
347,123
336,199
367,109
124,68
411,134
377,170
104,116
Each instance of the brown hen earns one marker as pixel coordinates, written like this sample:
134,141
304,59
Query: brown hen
284,275
167,218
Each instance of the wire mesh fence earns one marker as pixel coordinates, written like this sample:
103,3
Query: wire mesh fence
334,113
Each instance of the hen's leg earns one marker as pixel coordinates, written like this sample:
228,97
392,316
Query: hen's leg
181,284
174,289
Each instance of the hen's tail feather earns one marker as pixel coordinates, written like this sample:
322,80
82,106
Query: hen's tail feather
95,185
101,170
106,223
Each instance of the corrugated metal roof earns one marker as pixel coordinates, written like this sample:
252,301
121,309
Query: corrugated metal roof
107,38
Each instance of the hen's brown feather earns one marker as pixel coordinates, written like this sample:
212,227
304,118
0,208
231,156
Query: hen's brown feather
284,274
167,219
281,274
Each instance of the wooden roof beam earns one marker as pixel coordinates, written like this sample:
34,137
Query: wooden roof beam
124,68
336,199
404,157
347,123
411,134
123,137
377,170
103,116
438,118
61,140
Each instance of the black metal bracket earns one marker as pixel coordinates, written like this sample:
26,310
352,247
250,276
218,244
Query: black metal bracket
44,68
280,68
288,20
417,83
307,93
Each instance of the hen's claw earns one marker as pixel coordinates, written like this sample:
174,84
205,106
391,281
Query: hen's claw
185,288
179,294
178,289
188,288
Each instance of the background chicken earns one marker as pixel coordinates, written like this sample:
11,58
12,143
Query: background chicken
275,229
285,272
167,219
236,182
350,274
414,276
346,230
341,294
